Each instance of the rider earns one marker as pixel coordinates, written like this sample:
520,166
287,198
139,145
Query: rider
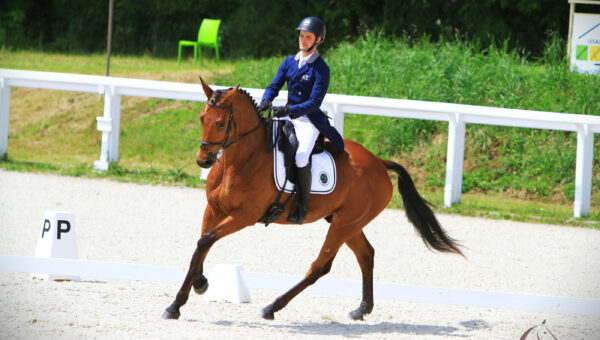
307,77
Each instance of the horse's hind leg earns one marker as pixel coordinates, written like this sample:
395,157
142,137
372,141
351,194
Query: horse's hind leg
320,267
365,255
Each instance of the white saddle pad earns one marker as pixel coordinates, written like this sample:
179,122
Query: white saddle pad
324,176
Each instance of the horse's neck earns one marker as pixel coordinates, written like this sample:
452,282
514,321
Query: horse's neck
249,154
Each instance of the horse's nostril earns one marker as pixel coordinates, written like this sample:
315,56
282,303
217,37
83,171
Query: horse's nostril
207,163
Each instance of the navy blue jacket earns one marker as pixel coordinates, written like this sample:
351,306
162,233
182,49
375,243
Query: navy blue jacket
307,87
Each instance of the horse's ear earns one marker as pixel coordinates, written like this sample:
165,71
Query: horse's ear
236,88
207,90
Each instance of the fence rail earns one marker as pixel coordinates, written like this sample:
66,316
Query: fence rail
391,291
457,116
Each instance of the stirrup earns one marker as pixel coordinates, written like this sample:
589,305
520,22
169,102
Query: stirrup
298,215
303,182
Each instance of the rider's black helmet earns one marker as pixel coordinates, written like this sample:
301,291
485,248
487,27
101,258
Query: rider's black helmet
312,25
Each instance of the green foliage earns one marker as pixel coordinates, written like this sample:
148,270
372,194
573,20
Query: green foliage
261,28
526,162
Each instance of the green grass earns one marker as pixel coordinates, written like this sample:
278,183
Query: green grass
519,163
96,63
145,175
520,174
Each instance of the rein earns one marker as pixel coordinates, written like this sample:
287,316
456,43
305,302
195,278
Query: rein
224,143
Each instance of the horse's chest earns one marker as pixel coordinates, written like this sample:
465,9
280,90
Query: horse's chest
229,194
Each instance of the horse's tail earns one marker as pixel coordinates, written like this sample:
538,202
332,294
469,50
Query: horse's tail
420,215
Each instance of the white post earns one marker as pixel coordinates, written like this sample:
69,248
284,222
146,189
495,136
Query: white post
454,160
583,171
109,124
4,111
337,116
115,109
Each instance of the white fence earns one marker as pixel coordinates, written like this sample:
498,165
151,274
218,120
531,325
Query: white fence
326,286
455,114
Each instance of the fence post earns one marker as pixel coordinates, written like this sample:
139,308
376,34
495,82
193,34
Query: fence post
454,160
4,112
115,110
109,124
583,171
337,117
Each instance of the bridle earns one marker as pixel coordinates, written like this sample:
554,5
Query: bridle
225,143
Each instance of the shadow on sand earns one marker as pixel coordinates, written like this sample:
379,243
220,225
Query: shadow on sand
358,329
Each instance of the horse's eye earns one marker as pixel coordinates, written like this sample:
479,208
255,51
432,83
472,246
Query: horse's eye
220,125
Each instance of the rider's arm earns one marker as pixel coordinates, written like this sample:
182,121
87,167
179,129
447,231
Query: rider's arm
273,89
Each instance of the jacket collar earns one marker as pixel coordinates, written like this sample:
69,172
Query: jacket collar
311,59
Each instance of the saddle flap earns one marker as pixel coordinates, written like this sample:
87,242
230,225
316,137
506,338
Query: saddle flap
323,169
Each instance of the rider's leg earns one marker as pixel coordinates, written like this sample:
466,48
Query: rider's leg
307,135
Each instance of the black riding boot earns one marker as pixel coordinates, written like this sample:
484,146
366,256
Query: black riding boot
303,181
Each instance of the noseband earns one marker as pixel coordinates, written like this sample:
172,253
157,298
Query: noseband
224,144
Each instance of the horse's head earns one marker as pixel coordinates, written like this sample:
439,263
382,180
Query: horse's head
222,127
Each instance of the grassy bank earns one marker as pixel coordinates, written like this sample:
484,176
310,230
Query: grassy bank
522,174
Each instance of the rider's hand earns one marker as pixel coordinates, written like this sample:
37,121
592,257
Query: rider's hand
281,111
264,105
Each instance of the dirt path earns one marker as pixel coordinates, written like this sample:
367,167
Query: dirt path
157,225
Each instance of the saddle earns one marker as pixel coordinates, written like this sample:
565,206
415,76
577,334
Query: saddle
286,141
282,141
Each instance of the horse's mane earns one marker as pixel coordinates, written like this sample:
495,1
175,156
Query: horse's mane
245,93
218,93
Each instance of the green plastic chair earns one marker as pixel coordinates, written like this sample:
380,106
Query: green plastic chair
207,37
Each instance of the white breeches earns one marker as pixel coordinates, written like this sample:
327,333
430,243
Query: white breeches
307,134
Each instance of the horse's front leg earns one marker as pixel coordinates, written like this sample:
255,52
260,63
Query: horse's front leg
211,232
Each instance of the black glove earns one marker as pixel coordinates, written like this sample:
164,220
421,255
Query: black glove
264,105
281,111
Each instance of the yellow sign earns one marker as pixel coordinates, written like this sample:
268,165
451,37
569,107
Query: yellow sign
595,53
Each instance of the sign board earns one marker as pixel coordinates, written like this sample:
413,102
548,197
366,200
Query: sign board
585,43
57,239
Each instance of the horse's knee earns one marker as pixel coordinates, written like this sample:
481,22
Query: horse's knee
317,270
327,267
206,240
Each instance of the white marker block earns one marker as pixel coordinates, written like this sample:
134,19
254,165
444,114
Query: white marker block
204,174
226,283
57,239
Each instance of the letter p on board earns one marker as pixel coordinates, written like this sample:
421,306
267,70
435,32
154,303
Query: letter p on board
57,239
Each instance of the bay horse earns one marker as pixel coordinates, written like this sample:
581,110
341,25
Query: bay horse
240,188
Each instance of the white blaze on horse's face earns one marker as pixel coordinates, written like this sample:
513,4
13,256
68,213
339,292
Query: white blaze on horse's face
214,118
215,130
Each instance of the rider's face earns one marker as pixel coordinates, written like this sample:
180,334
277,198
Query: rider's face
306,40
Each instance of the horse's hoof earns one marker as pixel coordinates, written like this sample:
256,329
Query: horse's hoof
171,315
362,310
201,286
356,315
267,313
